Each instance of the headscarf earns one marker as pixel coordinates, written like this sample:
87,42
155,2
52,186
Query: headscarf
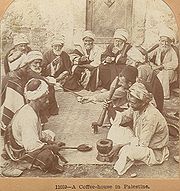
166,31
58,40
139,91
20,39
121,33
89,34
31,56
35,88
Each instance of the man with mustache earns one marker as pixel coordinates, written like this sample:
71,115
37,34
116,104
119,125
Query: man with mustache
56,62
86,59
15,57
165,60
137,57
147,140
24,138
114,58
12,89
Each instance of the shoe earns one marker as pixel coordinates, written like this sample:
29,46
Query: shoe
60,144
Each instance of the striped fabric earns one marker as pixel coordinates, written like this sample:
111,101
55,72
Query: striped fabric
14,100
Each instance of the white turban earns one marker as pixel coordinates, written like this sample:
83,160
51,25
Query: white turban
20,39
121,33
35,94
31,56
139,91
165,31
89,34
135,54
58,40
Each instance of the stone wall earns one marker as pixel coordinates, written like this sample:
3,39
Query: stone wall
41,19
148,17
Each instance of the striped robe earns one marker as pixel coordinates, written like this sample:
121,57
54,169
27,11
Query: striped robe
12,97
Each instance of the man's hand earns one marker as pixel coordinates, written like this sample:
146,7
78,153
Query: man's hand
140,80
107,104
83,59
51,80
115,150
47,138
108,59
89,67
56,61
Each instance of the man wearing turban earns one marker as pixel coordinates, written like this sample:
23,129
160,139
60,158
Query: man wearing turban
86,59
147,140
13,85
165,60
114,58
24,138
56,62
138,58
16,56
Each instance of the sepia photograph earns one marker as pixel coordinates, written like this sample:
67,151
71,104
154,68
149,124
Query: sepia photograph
89,89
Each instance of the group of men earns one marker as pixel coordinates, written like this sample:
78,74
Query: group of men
28,96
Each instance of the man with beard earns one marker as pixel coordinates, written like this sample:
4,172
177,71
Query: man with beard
147,140
114,58
24,138
86,59
13,86
165,61
138,58
56,62
16,56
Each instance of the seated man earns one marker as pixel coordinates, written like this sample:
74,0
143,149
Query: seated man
137,57
127,77
13,85
165,61
86,60
24,138
147,140
114,58
16,56
56,62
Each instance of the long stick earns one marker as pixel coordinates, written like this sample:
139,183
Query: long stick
103,113
63,147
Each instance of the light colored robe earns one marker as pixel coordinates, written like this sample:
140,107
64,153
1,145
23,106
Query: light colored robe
168,74
26,129
94,56
147,141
